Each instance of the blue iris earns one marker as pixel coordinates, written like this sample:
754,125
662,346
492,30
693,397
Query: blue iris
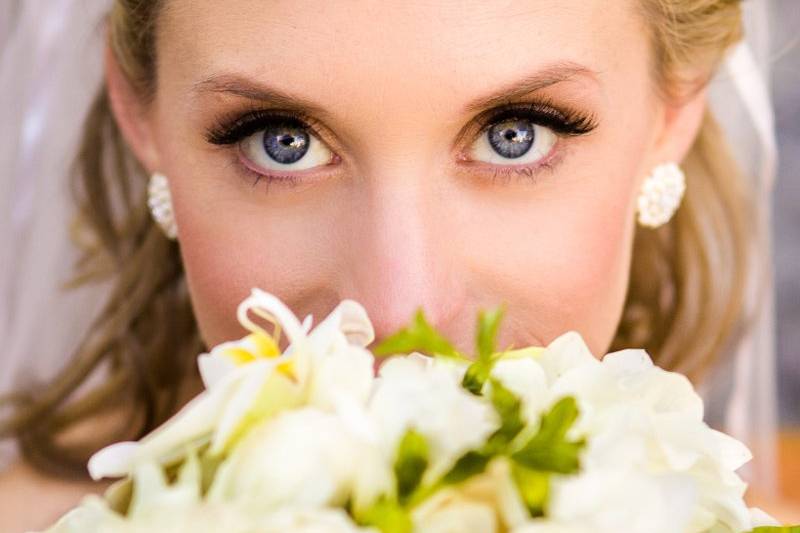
286,142
512,138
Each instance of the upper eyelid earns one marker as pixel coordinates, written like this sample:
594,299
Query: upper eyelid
255,115
541,109
476,125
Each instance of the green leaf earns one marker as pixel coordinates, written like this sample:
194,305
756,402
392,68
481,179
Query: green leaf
387,515
533,487
470,464
486,332
476,376
549,450
509,408
411,463
488,324
419,336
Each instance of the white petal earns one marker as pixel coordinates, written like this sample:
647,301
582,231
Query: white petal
261,302
190,426
526,379
112,461
731,453
214,366
308,321
564,353
345,372
348,319
240,402
355,323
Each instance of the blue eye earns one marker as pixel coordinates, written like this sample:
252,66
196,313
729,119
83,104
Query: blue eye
521,135
512,138
515,141
284,145
285,142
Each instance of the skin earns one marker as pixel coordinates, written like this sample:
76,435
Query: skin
399,222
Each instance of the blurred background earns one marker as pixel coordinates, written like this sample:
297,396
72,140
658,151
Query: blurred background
786,92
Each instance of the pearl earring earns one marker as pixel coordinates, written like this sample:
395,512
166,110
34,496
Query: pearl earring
661,194
160,203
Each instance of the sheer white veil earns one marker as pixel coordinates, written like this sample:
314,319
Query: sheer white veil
50,69
743,393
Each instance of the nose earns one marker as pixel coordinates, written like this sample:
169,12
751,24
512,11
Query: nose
399,261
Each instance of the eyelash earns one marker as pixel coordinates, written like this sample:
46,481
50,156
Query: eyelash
232,131
564,121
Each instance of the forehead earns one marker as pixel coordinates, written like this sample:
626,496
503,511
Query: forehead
434,54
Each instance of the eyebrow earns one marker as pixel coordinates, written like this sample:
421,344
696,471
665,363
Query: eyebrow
237,85
546,77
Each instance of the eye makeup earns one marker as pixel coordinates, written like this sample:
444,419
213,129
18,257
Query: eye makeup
562,120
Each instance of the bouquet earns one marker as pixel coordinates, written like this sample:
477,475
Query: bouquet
531,440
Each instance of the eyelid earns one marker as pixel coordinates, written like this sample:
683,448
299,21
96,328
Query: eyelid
543,111
228,131
565,121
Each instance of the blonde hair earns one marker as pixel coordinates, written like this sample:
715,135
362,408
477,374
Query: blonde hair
684,302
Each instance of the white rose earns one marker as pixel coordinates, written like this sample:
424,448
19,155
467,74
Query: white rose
641,419
609,499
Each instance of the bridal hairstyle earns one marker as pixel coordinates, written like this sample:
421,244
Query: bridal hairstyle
684,302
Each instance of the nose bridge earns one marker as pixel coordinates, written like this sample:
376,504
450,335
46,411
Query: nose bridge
397,263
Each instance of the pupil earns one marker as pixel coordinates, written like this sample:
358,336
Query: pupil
512,138
286,141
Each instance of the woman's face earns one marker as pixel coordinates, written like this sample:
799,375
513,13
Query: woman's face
448,155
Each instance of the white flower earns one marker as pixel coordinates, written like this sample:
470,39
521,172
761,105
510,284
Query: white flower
545,526
302,458
610,499
646,440
158,507
293,441
310,521
486,503
249,380
424,394
526,378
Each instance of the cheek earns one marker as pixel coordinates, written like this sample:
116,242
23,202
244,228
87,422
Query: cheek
230,243
589,266
221,261
562,259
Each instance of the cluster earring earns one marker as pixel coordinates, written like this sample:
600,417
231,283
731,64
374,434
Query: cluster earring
661,194
160,203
